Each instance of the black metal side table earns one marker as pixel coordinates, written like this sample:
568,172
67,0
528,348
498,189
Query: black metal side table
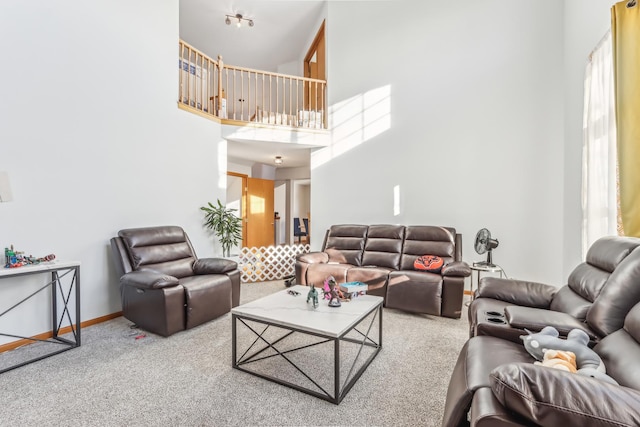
65,281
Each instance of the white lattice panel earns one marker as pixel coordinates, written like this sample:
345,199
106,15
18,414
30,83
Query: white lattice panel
269,263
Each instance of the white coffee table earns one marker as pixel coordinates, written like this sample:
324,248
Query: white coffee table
331,324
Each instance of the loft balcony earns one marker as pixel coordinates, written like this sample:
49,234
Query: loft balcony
247,97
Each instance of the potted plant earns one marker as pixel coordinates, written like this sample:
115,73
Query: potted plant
226,226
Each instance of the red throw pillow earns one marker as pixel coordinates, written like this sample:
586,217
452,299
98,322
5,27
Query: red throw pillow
430,263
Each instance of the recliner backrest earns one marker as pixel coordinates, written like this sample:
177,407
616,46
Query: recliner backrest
345,243
383,247
163,249
620,351
603,289
427,240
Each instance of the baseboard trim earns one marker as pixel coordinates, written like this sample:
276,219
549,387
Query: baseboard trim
46,335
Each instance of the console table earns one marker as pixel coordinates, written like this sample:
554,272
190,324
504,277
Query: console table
69,270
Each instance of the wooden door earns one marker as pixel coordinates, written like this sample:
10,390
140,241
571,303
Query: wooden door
259,208
314,67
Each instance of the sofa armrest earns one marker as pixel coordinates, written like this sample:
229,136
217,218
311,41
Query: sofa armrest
534,319
214,266
314,258
456,269
519,292
550,396
148,280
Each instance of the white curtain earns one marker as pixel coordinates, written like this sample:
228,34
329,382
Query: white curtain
599,205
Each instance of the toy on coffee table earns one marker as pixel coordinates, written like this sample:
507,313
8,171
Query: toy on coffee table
587,361
313,296
15,259
332,292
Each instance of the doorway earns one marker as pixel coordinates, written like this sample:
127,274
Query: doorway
253,199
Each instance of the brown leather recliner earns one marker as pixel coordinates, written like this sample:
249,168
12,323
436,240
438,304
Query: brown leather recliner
495,383
164,287
599,293
602,299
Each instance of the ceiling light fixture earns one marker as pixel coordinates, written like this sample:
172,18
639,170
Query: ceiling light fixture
278,160
239,19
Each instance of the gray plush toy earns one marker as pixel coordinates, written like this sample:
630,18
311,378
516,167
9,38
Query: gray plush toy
588,361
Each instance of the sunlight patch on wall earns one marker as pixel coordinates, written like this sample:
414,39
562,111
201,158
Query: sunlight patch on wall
222,164
396,200
354,121
256,205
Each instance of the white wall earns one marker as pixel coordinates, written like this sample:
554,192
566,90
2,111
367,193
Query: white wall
238,168
472,94
280,206
92,138
585,25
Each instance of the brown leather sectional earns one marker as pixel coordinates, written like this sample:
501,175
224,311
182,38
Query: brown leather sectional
383,255
495,382
164,287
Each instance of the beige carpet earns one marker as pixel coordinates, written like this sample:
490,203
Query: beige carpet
187,379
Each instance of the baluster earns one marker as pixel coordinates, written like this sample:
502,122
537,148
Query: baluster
248,96
324,107
242,95
315,97
263,103
226,72
290,99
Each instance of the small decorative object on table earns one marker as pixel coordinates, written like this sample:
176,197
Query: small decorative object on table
313,296
353,290
14,259
333,292
289,280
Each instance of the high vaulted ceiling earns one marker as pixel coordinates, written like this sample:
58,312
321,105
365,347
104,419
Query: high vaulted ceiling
281,34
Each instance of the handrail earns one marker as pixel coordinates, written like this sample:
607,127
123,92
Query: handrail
243,94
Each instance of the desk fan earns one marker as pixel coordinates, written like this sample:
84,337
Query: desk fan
484,243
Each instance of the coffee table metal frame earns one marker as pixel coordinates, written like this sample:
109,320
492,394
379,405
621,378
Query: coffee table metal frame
339,392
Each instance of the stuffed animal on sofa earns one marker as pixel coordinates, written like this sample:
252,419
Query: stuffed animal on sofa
559,359
588,362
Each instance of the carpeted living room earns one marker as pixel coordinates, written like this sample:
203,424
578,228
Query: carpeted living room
439,120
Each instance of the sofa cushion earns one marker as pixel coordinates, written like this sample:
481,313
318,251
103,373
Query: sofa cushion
425,239
383,246
620,351
553,397
317,273
567,301
163,249
416,291
608,312
345,243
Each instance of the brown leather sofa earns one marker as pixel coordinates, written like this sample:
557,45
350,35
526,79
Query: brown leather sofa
383,255
505,307
164,287
495,383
